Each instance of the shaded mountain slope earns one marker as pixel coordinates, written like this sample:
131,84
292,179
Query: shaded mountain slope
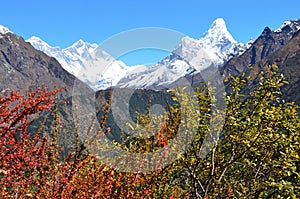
267,43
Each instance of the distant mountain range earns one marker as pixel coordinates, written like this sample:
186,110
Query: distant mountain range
190,57
87,61
20,62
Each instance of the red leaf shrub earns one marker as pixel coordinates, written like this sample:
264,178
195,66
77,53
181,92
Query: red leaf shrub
31,166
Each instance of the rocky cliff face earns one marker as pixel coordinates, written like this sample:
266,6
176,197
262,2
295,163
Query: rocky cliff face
267,43
21,66
288,60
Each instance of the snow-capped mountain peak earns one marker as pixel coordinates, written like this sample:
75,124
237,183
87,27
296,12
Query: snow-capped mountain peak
219,22
217,43
81,49
218,25
4,30
218,36
39,44
294,25
82,44
79,43
36,39
218,32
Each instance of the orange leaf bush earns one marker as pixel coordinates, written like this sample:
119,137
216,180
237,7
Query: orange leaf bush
31,165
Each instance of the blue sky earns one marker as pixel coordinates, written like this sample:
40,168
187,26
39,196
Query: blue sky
63,22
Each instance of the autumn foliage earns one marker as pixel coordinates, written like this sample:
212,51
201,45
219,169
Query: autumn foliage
31,166
22,156
257,155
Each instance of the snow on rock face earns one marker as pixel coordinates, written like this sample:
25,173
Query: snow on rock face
81,49
156,76
220,44
218,36
294,25
69,63
4,30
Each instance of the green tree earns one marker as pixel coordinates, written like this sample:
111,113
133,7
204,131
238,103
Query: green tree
257,155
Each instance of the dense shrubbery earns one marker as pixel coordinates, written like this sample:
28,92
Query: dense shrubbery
256,157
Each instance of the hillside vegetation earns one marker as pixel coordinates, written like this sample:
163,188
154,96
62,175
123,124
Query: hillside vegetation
256,155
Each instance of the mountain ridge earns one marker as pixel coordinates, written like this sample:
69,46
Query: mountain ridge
23,65
217,48
191,56
288,60
217,42
86,61
4,30
268,42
